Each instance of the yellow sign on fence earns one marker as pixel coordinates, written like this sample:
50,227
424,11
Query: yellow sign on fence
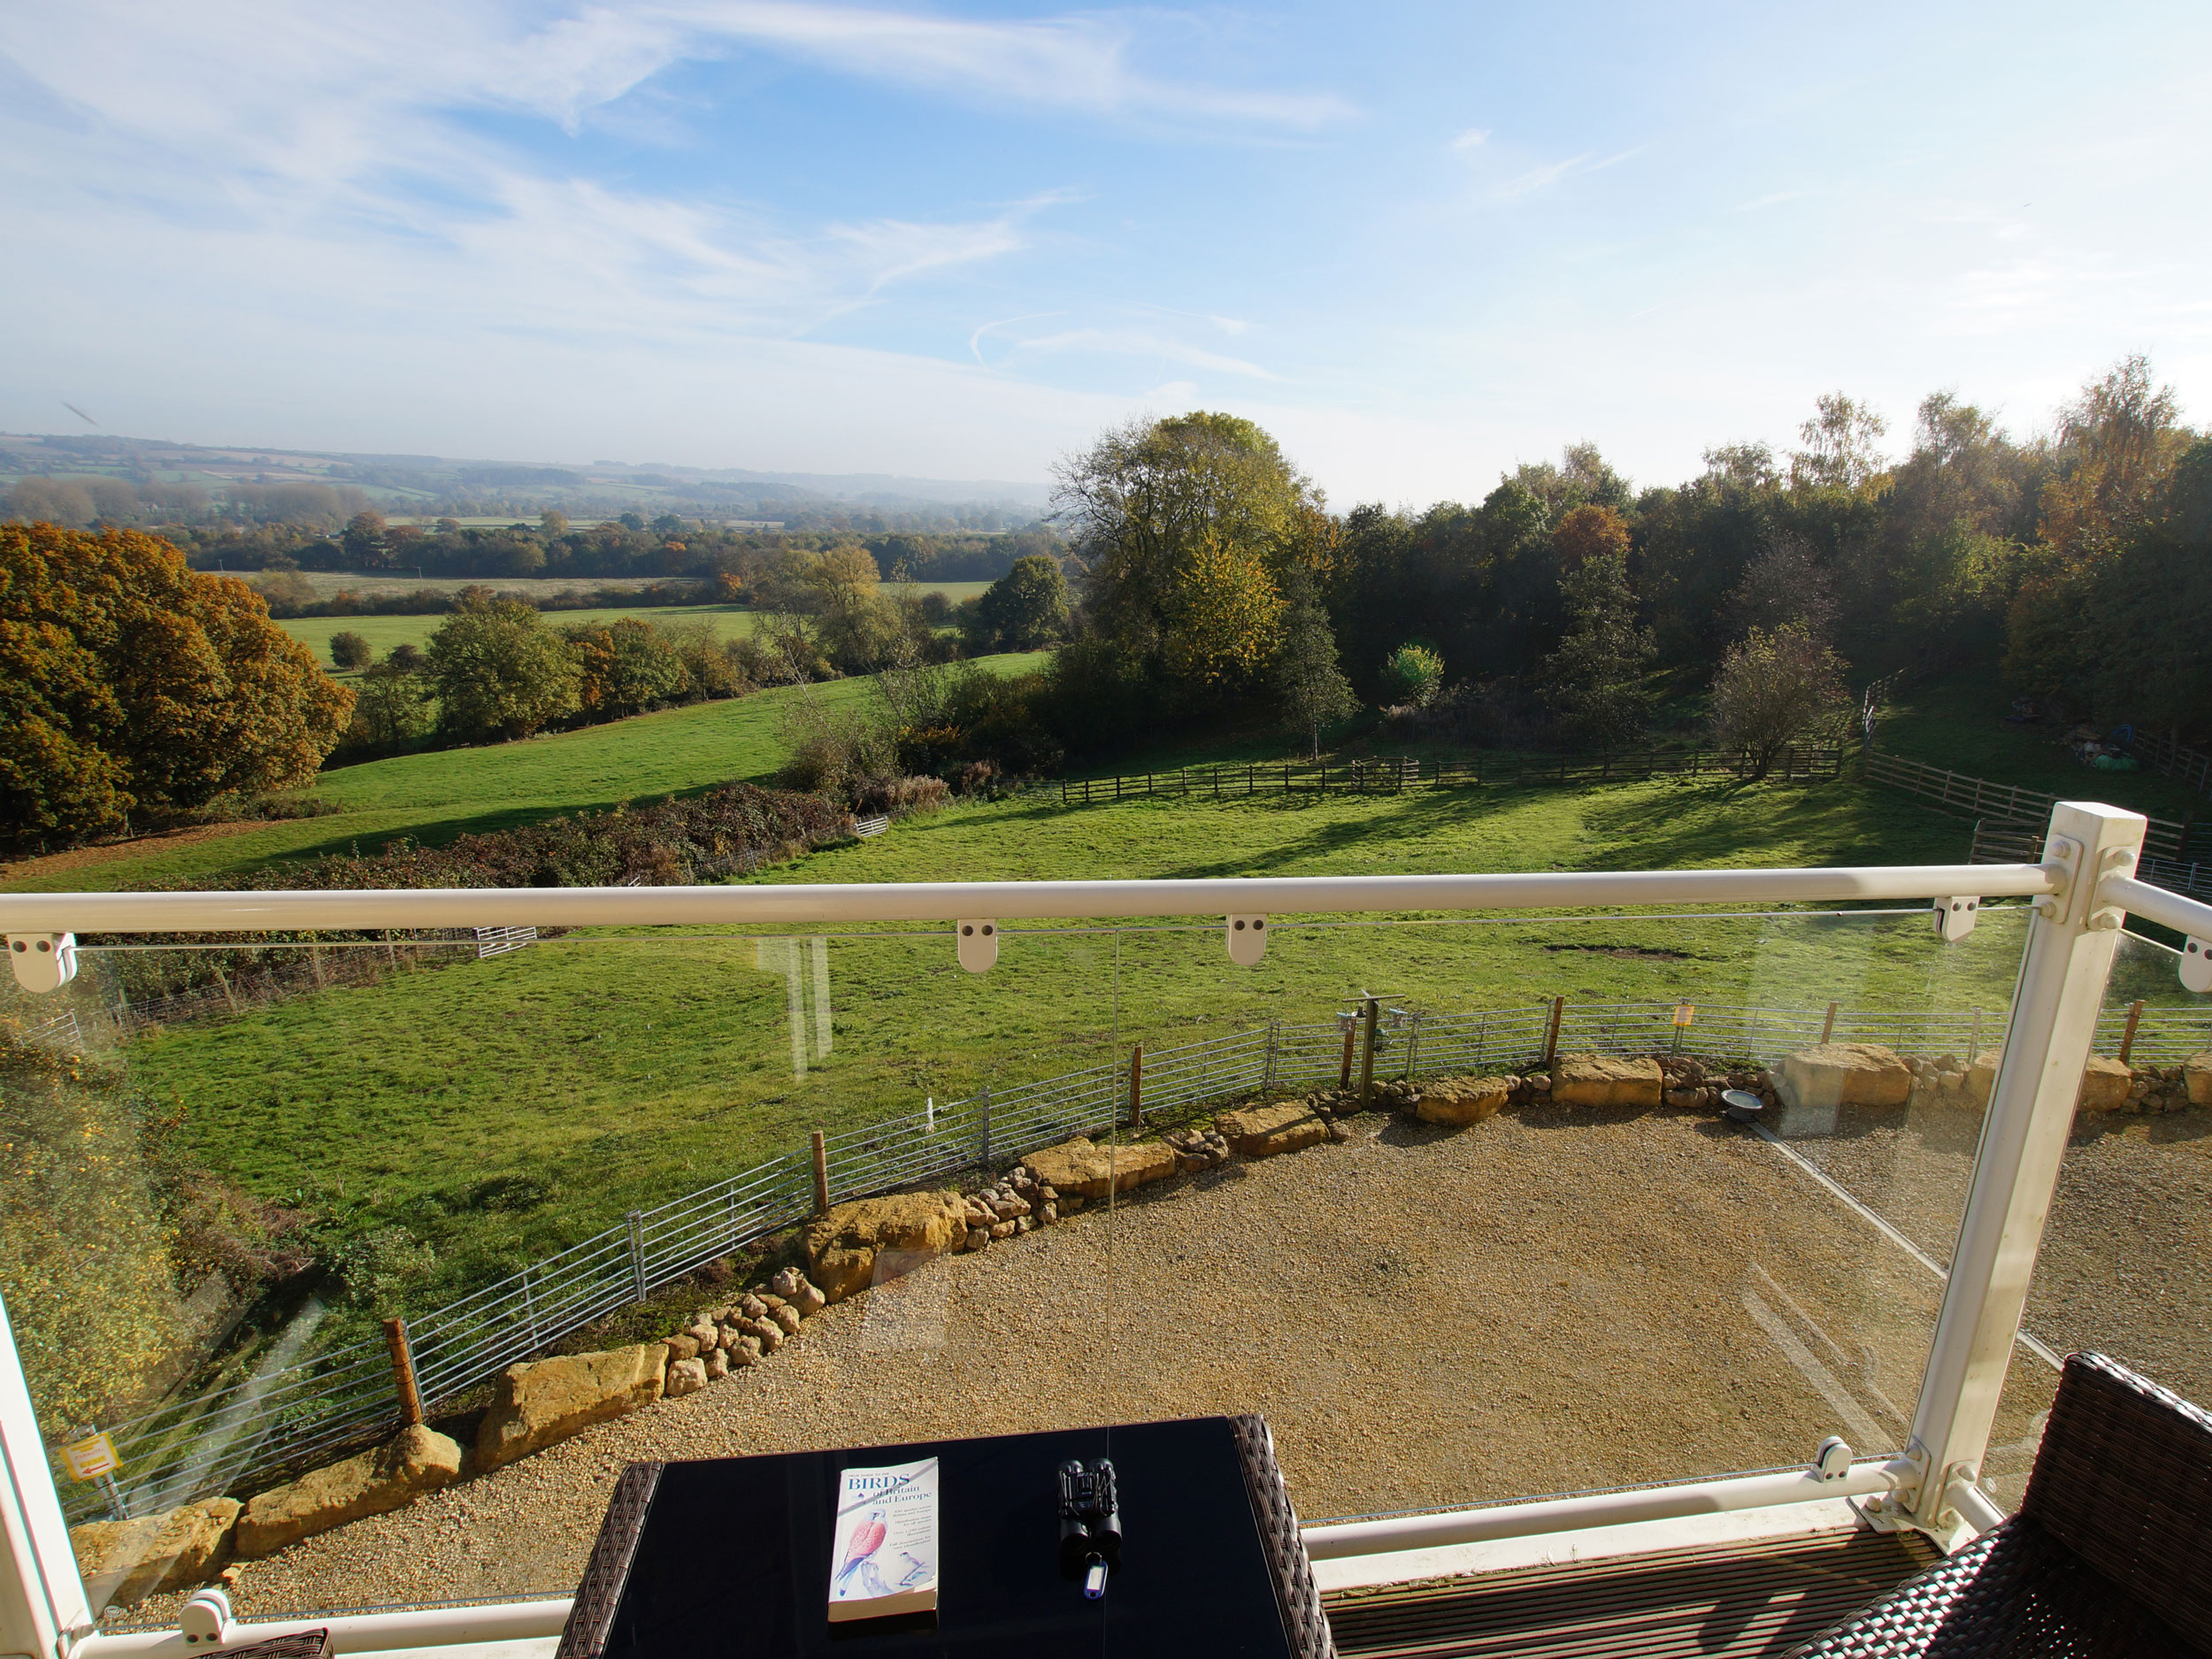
88,1460
1683,1013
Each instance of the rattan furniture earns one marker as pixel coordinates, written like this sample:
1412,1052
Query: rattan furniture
730,1555
2110,1553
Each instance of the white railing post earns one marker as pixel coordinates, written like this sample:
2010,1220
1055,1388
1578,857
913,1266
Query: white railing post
42,1603
2070,951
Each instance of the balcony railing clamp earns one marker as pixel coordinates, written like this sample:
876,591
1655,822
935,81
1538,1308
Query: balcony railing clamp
43,962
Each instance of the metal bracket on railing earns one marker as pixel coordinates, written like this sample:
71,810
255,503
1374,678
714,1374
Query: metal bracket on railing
978,945
43,962
1832,1458
1954,917
1247,940
2196,965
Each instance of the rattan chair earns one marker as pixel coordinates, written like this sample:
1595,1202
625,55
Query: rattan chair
2110,1553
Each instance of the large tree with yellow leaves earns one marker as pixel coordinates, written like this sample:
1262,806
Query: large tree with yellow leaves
1185,528
129,681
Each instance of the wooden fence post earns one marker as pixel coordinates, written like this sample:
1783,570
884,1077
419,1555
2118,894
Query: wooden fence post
404,1372
2127,1038
1367,1056
821,1175
1828,1026
1344,1076
1136,1086
1551,1037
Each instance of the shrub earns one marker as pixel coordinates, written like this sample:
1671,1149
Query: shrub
900,798
1412,675
348,650
84,1255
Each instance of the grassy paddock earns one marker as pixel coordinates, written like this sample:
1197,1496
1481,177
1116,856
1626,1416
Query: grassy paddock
1960,725
729,622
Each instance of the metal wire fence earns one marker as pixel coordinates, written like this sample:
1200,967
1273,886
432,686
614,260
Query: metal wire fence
290,1410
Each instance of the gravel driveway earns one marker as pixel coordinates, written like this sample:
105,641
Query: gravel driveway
1552,1300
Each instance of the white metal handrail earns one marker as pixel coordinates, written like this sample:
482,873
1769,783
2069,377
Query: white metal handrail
2085,878
808,905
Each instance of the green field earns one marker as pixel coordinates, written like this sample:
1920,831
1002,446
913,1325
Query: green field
729,622
434,796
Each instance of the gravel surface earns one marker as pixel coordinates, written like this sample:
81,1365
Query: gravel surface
1554,1300
2126,1261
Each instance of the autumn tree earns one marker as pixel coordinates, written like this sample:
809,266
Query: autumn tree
499,670
1594,681
1185,527
1309,687
626,668
2116,442
1775,687
128,681
1589,533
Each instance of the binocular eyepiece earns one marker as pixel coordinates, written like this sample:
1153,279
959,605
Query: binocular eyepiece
1090,1523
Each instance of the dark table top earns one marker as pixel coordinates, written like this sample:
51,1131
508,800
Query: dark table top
733,1556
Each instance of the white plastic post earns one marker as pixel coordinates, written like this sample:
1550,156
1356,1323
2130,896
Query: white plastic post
2070,951
42,1603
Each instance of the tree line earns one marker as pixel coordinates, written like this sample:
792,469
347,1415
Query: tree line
1751,605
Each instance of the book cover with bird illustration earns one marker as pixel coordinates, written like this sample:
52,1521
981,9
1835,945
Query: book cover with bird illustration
883,1552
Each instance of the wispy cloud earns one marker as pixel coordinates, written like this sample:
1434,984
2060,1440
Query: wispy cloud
1759,201
1137,342
1078,63
1543,178
1473,138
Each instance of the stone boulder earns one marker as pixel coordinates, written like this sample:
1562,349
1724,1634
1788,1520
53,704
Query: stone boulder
415,1461
1592,1080
685,1376
2104,1085
2196,1072
792,1285
1981,1076
1261,1132
125,1562
1078,1166
842,1246
534,1405
1832,1074
1461,1100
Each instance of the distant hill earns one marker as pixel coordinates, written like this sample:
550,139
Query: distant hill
196,477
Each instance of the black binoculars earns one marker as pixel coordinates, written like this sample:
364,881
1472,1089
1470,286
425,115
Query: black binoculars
1090,1523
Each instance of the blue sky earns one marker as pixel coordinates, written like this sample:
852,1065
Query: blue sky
1419,242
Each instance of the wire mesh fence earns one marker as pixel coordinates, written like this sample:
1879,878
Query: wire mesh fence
290,1409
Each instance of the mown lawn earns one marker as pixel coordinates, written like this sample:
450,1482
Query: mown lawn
503,1109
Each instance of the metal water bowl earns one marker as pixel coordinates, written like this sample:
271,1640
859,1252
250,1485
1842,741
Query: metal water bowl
1740,1106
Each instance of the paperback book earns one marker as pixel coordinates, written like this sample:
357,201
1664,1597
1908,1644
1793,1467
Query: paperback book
883,1551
